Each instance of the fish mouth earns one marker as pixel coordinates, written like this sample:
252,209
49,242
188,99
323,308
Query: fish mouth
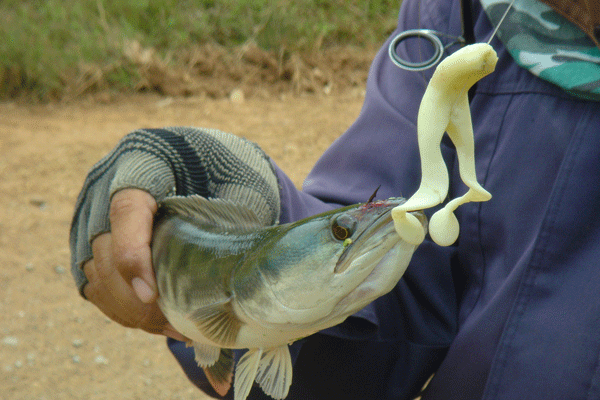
383,224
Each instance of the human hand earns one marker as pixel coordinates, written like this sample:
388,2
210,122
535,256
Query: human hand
120,277
112,225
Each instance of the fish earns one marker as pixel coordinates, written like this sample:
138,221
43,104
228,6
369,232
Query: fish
226,281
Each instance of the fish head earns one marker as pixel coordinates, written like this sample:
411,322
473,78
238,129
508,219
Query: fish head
322,264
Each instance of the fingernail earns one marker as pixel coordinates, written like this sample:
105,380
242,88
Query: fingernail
142,290
173,334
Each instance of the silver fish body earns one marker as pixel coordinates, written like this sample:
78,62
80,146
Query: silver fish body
226,282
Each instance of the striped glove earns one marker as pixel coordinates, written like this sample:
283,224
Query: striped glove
172,161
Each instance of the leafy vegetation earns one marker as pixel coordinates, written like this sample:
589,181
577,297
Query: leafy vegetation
48,46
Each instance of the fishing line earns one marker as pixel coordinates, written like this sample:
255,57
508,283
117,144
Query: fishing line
501,20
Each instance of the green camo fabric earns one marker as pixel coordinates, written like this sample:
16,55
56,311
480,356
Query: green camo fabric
548,45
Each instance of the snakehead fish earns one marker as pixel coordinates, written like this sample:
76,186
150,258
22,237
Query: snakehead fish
227,282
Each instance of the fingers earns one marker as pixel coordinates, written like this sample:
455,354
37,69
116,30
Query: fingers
106,288
131,216
120,277
109,291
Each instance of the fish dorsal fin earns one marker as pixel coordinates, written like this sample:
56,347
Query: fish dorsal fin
275,372
205,354
245,373
217,322
219,213
220,374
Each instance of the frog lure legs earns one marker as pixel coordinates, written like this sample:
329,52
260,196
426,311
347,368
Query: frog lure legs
445,108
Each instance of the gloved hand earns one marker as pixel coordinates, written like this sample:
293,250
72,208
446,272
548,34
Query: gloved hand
112,226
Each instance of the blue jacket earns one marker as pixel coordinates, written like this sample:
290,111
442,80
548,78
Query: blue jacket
512,310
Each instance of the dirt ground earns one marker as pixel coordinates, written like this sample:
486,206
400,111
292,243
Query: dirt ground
53,344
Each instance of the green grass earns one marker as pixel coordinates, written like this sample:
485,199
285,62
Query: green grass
48,45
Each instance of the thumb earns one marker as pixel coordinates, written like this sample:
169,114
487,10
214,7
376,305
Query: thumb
131,217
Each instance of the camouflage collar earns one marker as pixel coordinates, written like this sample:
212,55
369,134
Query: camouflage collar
548,45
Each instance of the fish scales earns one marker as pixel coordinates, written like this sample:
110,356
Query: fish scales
216,254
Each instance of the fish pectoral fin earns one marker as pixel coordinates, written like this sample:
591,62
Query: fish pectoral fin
275,372
218,323
220,373
205,354
245,373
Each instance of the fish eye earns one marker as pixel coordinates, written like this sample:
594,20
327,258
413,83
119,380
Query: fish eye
343,227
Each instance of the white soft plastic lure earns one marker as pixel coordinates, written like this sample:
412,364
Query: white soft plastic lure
445,108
